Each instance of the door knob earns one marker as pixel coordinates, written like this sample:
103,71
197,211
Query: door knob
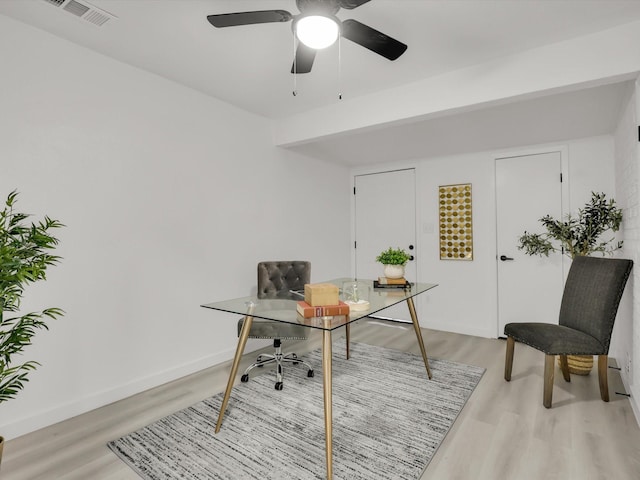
410,247
504,258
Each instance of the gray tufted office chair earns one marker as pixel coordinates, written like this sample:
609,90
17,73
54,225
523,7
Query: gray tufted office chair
275,280
588,311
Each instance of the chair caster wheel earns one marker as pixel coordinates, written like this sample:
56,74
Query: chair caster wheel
310,373
244,378
258,360
279,385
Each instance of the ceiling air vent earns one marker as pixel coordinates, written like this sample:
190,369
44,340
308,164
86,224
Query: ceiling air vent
84,10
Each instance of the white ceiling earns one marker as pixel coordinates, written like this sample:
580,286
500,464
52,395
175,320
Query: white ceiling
249,66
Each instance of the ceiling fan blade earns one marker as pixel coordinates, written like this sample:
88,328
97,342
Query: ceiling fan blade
249,18
372,39
351,4
304,59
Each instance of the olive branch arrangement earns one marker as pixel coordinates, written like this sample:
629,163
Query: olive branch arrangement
577,235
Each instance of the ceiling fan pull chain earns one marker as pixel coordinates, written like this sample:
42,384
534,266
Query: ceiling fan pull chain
295,65
339,67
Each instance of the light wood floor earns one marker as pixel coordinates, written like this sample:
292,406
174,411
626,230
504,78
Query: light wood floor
503,432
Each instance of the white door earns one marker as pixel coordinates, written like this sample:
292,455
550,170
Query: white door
529,287
385,216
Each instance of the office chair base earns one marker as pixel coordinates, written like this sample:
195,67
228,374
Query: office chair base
279,359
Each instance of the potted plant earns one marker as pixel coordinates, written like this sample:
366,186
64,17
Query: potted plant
394,260
577,235
24,257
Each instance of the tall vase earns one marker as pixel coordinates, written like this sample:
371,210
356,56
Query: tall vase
579,364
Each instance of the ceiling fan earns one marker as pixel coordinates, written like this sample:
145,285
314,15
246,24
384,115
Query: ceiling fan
323,12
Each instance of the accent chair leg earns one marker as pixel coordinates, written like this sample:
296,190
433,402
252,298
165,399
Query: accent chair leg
508,360
549,367
564,366
603,365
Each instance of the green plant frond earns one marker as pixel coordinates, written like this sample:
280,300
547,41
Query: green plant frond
12,380
11,300
11,198
48,223
25,254
20,334
8,320
53,312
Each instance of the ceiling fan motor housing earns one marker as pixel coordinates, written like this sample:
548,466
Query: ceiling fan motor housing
318,7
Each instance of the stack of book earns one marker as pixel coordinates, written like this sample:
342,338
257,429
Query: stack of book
321,300
385,282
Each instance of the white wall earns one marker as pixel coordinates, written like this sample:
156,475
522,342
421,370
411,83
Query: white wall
170,199
626,334
466,299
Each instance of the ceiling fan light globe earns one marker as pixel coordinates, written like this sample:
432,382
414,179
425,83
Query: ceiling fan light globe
317,31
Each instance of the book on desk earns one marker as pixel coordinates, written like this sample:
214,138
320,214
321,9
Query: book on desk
308,311
385,282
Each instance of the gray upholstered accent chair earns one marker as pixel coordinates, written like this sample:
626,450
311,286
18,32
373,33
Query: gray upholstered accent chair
276,280
590,301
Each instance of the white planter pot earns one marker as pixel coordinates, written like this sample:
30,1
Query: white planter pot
394,271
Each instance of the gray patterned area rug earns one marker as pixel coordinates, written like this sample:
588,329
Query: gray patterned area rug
388,421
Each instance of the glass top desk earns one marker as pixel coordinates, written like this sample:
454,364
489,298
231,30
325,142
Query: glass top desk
284,310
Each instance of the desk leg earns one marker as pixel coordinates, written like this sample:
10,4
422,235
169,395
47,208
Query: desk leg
328,400
416,326
242,341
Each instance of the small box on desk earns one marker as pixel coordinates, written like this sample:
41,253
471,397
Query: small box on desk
319,294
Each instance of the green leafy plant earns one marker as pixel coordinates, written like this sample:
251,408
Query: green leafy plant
24,257
393,256
577,235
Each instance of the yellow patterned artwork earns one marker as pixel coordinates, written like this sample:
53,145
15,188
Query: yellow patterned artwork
456,232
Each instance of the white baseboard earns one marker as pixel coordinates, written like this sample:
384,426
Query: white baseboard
633,399
62,412
462,329
445,327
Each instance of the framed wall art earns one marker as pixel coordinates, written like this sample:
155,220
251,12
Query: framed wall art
456,224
